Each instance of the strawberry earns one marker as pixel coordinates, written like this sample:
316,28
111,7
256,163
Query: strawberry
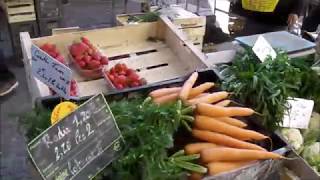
134,76
135,84
90,51
85,40
78,58
119,86
104,60
94,64
97,56
87,59
52,54
129,71
122,79
60,58
82,64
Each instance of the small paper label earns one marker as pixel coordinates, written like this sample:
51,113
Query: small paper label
299,113
263,49
51,72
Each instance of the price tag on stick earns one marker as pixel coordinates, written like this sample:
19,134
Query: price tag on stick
299,113
80,145
263,49
51,72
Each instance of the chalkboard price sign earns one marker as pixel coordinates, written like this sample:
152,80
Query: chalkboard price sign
80,145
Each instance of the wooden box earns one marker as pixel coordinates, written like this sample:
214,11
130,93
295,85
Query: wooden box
20,11
156,50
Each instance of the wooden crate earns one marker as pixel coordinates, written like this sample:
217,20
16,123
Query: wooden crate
46,25
15,28
20,10
167,58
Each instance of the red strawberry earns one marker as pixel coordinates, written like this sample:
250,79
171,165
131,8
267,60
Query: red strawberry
52,54
104,60
122,79
60,58
119,86
118,67
97,56
130,71
87,59
90,51
135,84
85,40
82,64
78,58
134,76
74,50
94,64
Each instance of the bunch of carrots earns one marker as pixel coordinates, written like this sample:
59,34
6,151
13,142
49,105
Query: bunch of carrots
223,139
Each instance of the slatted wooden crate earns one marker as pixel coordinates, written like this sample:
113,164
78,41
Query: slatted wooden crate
156,50
192,25
20,10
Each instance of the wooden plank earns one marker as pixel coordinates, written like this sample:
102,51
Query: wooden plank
22,18
56,31
190,22
21,9
197,31
18,2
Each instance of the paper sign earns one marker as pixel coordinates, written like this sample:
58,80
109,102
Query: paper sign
51,72
299,113
80,145
263,49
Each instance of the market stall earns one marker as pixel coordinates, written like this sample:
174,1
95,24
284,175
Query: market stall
154,106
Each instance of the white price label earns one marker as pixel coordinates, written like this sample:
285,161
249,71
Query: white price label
51,72
299,113
263,49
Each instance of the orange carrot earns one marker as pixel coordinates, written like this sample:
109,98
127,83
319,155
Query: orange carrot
218,111
232,121
224,140
164,91
233,154
166,99
187,86
211,124
223,103
215,168
195,176
200,89
202,94
210,98
196,148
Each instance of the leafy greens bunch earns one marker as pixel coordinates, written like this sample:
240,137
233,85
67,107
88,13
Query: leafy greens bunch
265,86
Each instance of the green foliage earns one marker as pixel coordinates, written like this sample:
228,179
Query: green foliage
35,122
147,17
264,86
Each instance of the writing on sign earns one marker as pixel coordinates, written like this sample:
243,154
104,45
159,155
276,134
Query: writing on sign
80,145
51,72
299,113
263,49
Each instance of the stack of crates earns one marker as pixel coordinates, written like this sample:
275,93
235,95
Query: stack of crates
49,13
21,17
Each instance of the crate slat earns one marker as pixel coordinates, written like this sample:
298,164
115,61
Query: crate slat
21,9
22,17
18,2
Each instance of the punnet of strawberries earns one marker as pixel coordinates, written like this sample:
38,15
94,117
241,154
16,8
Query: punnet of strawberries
123,77
52,50
86,56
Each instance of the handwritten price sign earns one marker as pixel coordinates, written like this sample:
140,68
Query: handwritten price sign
80,145
299,113
51,72
263,49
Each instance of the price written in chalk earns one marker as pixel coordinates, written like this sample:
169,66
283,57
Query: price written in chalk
299,113
263,49
51,72
80,145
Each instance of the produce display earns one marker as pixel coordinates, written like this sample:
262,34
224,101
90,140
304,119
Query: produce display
52,50
266,86
151,125
123,77
306,142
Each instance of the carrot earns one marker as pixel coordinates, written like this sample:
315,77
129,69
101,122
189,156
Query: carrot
195,176
187,86
200,89
221,167
233,154
196,148
166,99
232,121
223,103
211,124
202,94
210,98
164,91
218,111
224,140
